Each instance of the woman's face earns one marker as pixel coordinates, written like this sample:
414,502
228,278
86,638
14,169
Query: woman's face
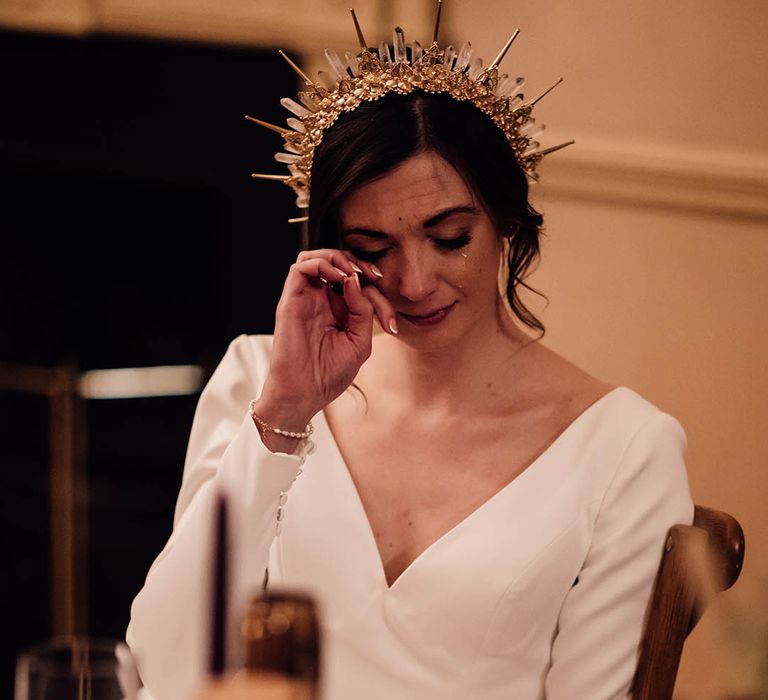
435,244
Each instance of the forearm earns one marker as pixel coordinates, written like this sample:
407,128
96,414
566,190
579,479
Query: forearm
169,617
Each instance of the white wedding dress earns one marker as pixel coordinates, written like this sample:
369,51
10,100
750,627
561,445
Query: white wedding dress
540,593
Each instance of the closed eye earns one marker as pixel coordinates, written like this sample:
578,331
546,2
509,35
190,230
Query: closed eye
368,255
445,243
453,243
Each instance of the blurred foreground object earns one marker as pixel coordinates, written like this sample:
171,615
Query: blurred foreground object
281,637
699,561
77,668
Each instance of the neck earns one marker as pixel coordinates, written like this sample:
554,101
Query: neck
462,374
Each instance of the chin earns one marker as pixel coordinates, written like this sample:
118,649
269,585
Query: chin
431,338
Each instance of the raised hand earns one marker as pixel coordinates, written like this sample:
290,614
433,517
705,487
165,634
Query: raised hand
321,337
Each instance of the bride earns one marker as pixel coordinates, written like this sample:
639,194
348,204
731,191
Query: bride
476,516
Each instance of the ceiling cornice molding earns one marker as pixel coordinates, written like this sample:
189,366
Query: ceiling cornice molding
302,27
700,180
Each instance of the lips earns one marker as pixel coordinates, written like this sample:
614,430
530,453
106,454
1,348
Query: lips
429,319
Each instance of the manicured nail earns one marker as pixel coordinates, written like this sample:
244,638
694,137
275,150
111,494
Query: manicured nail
393,326
375,270
357,280
341,272
323,280
356,268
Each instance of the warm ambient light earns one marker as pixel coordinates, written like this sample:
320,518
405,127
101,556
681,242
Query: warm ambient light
141,382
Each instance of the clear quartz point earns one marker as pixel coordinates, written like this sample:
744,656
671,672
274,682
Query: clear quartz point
293,170
384,56
296,124
508,85
326,80
338,69
285,158
533,146
464,55
291,149
448,55
353,65
516,101
398,45
518,84
532,130
475,68
308,101
295,107
416,51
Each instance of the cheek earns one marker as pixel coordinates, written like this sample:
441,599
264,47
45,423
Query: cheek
478,268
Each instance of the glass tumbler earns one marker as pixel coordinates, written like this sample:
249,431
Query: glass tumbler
77,668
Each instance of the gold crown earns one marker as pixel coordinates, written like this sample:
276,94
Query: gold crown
407,67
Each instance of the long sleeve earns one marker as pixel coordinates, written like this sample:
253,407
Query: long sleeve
595,652
168,632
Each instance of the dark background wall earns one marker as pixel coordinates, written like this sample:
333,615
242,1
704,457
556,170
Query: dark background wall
130,235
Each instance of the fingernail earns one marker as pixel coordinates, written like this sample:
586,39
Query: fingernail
323,280
375,270
393,326
356,268
341,272
357,280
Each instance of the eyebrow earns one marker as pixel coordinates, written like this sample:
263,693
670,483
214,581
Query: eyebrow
431,222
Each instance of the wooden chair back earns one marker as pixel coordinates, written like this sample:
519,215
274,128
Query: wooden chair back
699,561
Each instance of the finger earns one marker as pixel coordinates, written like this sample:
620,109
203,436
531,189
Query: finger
344,260
316,270
359,315
336,258
373,271
384,311
370,272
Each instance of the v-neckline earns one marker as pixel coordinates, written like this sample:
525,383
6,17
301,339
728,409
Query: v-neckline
347,475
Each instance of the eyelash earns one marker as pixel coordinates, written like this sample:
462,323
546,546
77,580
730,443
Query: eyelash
448,244
453,243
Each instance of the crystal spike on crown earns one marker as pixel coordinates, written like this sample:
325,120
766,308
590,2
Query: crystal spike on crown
403,68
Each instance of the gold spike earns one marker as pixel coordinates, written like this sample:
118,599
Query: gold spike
301,73
279,129
503,52
360,37
437,20
552,149
298,220
543,94
261,176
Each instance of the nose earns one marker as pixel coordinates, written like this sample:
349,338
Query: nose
417,278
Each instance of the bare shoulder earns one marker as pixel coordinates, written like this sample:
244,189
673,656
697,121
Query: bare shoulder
555,381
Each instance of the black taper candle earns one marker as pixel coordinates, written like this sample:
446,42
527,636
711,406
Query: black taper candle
218,645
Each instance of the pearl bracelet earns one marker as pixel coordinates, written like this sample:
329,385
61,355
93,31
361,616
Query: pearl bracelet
279,431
